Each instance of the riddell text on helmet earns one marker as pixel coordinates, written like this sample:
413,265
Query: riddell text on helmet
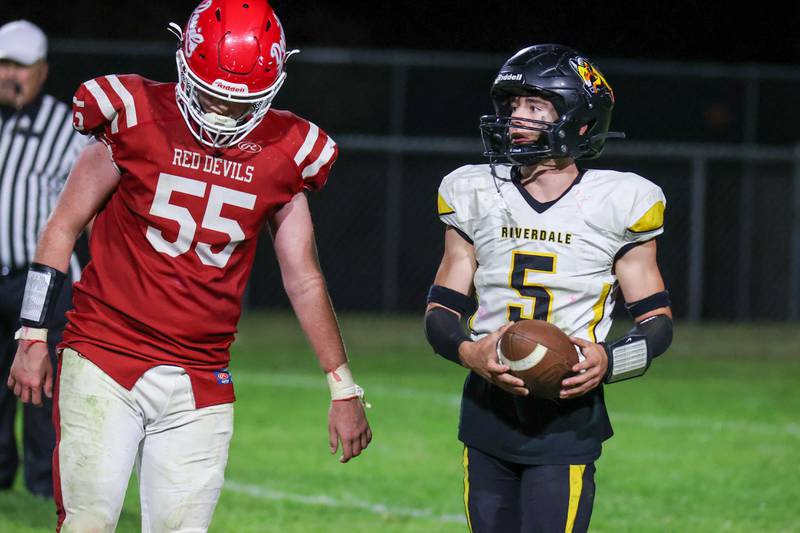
509,77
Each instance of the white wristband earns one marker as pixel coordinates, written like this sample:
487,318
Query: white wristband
341,384
31,334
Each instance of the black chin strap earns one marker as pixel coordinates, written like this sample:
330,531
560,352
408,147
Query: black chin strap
607,135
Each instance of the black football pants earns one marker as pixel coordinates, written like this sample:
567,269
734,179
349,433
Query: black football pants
38,434
505,497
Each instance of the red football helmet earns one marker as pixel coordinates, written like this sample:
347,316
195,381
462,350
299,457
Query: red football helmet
234,51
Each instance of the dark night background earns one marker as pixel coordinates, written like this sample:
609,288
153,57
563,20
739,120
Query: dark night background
684,78
704,31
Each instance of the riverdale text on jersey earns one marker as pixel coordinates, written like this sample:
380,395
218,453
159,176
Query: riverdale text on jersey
533,234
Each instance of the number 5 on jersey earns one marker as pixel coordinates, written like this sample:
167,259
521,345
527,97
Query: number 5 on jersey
540,296
187,227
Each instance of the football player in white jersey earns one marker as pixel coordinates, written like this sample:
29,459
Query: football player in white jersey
533,236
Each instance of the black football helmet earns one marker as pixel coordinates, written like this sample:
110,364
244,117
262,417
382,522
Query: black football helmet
578,91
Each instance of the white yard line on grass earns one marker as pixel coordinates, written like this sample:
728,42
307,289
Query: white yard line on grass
302,381
265,493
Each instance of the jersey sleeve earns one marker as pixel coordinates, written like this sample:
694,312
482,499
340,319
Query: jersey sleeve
638,210
458,203
105,106
315,156
645,218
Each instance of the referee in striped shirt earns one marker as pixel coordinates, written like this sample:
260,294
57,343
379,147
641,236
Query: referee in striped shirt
37,149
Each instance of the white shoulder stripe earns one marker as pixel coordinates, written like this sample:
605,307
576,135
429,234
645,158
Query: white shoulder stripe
308,144
325,156
105,104
127,100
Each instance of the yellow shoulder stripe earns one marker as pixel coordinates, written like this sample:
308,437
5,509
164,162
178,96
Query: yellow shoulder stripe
444,207
652,220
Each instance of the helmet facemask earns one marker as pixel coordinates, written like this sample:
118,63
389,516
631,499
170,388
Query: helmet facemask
211,129
498,142
498,138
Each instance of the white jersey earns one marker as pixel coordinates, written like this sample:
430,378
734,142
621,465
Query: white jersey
551,261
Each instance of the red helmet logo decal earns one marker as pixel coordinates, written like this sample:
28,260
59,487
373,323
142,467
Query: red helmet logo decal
278,50
194,34
593,81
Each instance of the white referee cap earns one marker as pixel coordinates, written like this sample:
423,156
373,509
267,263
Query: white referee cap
22,42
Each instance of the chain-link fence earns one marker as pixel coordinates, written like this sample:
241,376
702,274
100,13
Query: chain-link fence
718,139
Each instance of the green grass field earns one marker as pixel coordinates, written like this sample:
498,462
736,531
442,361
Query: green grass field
708,441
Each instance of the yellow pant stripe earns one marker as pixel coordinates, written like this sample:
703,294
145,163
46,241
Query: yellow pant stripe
575,489
466,488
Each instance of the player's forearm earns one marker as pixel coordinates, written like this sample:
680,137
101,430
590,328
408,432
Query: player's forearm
309,297
55,245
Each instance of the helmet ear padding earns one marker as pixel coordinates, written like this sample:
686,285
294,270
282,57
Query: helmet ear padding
577,90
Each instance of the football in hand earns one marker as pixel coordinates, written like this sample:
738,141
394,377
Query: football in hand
540,354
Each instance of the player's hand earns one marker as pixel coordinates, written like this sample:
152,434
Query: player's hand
347,422
481,357
590,371
31,373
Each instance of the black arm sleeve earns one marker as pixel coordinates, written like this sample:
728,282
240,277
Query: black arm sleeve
658,332
445,333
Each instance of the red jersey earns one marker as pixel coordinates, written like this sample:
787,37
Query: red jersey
173,247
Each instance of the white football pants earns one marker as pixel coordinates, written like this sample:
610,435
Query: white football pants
179,451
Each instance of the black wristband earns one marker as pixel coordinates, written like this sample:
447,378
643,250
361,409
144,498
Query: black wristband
445,333
42,289
654,301
458,302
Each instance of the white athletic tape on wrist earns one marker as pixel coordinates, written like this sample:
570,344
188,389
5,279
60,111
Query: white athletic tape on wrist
629,360
35,295
527,362
341,384
31,334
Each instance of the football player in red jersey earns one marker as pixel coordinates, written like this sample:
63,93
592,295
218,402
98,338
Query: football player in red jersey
143,375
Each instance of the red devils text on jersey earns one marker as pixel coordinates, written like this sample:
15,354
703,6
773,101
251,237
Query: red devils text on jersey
172,249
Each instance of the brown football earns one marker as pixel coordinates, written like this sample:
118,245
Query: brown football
540,354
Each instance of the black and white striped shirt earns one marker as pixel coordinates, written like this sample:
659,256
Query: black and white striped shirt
38,147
